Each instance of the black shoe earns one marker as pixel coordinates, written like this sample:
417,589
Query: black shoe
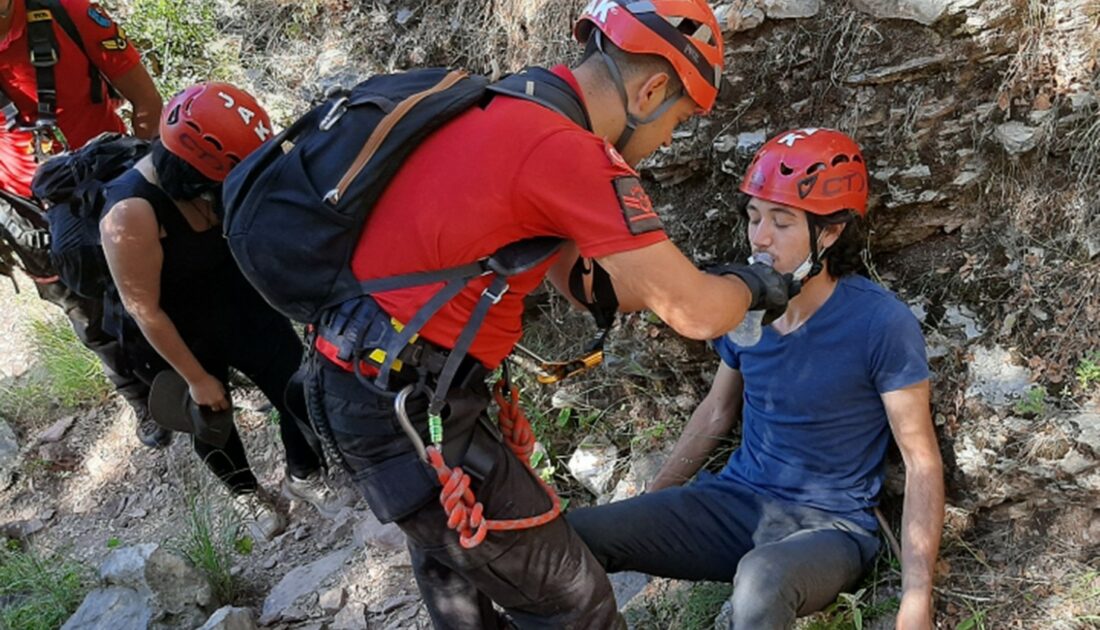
149,432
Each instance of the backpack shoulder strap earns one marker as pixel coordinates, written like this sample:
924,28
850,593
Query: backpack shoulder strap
541,86
40,37
100,88
42,46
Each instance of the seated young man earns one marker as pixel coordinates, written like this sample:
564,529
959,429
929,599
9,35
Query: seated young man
790,518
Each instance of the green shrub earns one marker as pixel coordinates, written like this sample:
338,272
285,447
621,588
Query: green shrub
1033,403
210,540
1088,370
74,375
39,592
178,39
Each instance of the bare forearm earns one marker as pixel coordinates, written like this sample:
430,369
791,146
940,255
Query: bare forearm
709,424
137,87
165,339
145,122
922,525
688,456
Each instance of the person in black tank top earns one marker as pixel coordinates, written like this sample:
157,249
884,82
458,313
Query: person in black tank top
178,300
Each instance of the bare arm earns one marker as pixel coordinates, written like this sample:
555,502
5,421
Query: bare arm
922,517
697,305
136,86
711,422
131,244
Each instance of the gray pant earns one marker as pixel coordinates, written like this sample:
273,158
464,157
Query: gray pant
784,560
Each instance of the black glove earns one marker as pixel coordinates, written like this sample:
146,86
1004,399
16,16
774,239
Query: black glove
770,289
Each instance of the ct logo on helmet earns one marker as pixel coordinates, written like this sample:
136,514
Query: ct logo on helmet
843,184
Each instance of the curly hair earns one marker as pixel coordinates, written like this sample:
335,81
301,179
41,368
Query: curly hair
845,257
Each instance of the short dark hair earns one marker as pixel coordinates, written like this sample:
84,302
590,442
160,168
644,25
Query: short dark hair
632,65
845,256
177,178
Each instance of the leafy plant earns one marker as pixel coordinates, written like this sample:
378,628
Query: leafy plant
178,39
1033,403
1088,370
113,543
39,592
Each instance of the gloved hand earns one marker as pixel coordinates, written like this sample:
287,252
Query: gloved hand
770,289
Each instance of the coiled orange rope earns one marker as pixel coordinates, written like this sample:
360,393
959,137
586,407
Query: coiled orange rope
465,514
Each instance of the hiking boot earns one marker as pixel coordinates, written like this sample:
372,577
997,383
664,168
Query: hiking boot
149,432
318,492
259,515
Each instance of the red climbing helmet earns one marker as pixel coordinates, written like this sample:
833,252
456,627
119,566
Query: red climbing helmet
684,32
820,171
213,126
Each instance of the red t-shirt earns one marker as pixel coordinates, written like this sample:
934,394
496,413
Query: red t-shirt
79,119
491,177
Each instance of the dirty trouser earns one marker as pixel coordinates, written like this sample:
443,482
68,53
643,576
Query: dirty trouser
785,560
543,577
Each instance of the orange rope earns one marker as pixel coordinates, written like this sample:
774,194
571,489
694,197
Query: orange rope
465,514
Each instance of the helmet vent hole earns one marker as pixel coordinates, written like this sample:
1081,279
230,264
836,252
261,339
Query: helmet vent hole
817,166
192,125
785,170
703,34
856,158
214,141
840,159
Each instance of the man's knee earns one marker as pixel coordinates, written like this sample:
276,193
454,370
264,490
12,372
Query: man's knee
763,596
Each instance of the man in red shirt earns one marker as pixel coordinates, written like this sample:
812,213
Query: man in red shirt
60,62
495,175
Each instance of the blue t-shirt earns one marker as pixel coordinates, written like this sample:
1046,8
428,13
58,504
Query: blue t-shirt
814,428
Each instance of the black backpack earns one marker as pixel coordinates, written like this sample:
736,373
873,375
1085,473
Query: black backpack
295,208
71,187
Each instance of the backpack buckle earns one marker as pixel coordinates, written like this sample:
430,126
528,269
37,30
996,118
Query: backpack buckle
334,114
495,297
39,58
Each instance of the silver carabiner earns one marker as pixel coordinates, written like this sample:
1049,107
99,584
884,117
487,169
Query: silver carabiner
403,418
334,114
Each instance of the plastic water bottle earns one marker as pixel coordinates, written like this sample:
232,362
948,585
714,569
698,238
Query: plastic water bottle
749,331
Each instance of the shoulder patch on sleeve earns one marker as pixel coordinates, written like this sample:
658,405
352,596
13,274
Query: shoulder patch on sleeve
617,158
636,206
115,44
99,16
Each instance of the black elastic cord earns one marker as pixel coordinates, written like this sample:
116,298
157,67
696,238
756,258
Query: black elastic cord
632,121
